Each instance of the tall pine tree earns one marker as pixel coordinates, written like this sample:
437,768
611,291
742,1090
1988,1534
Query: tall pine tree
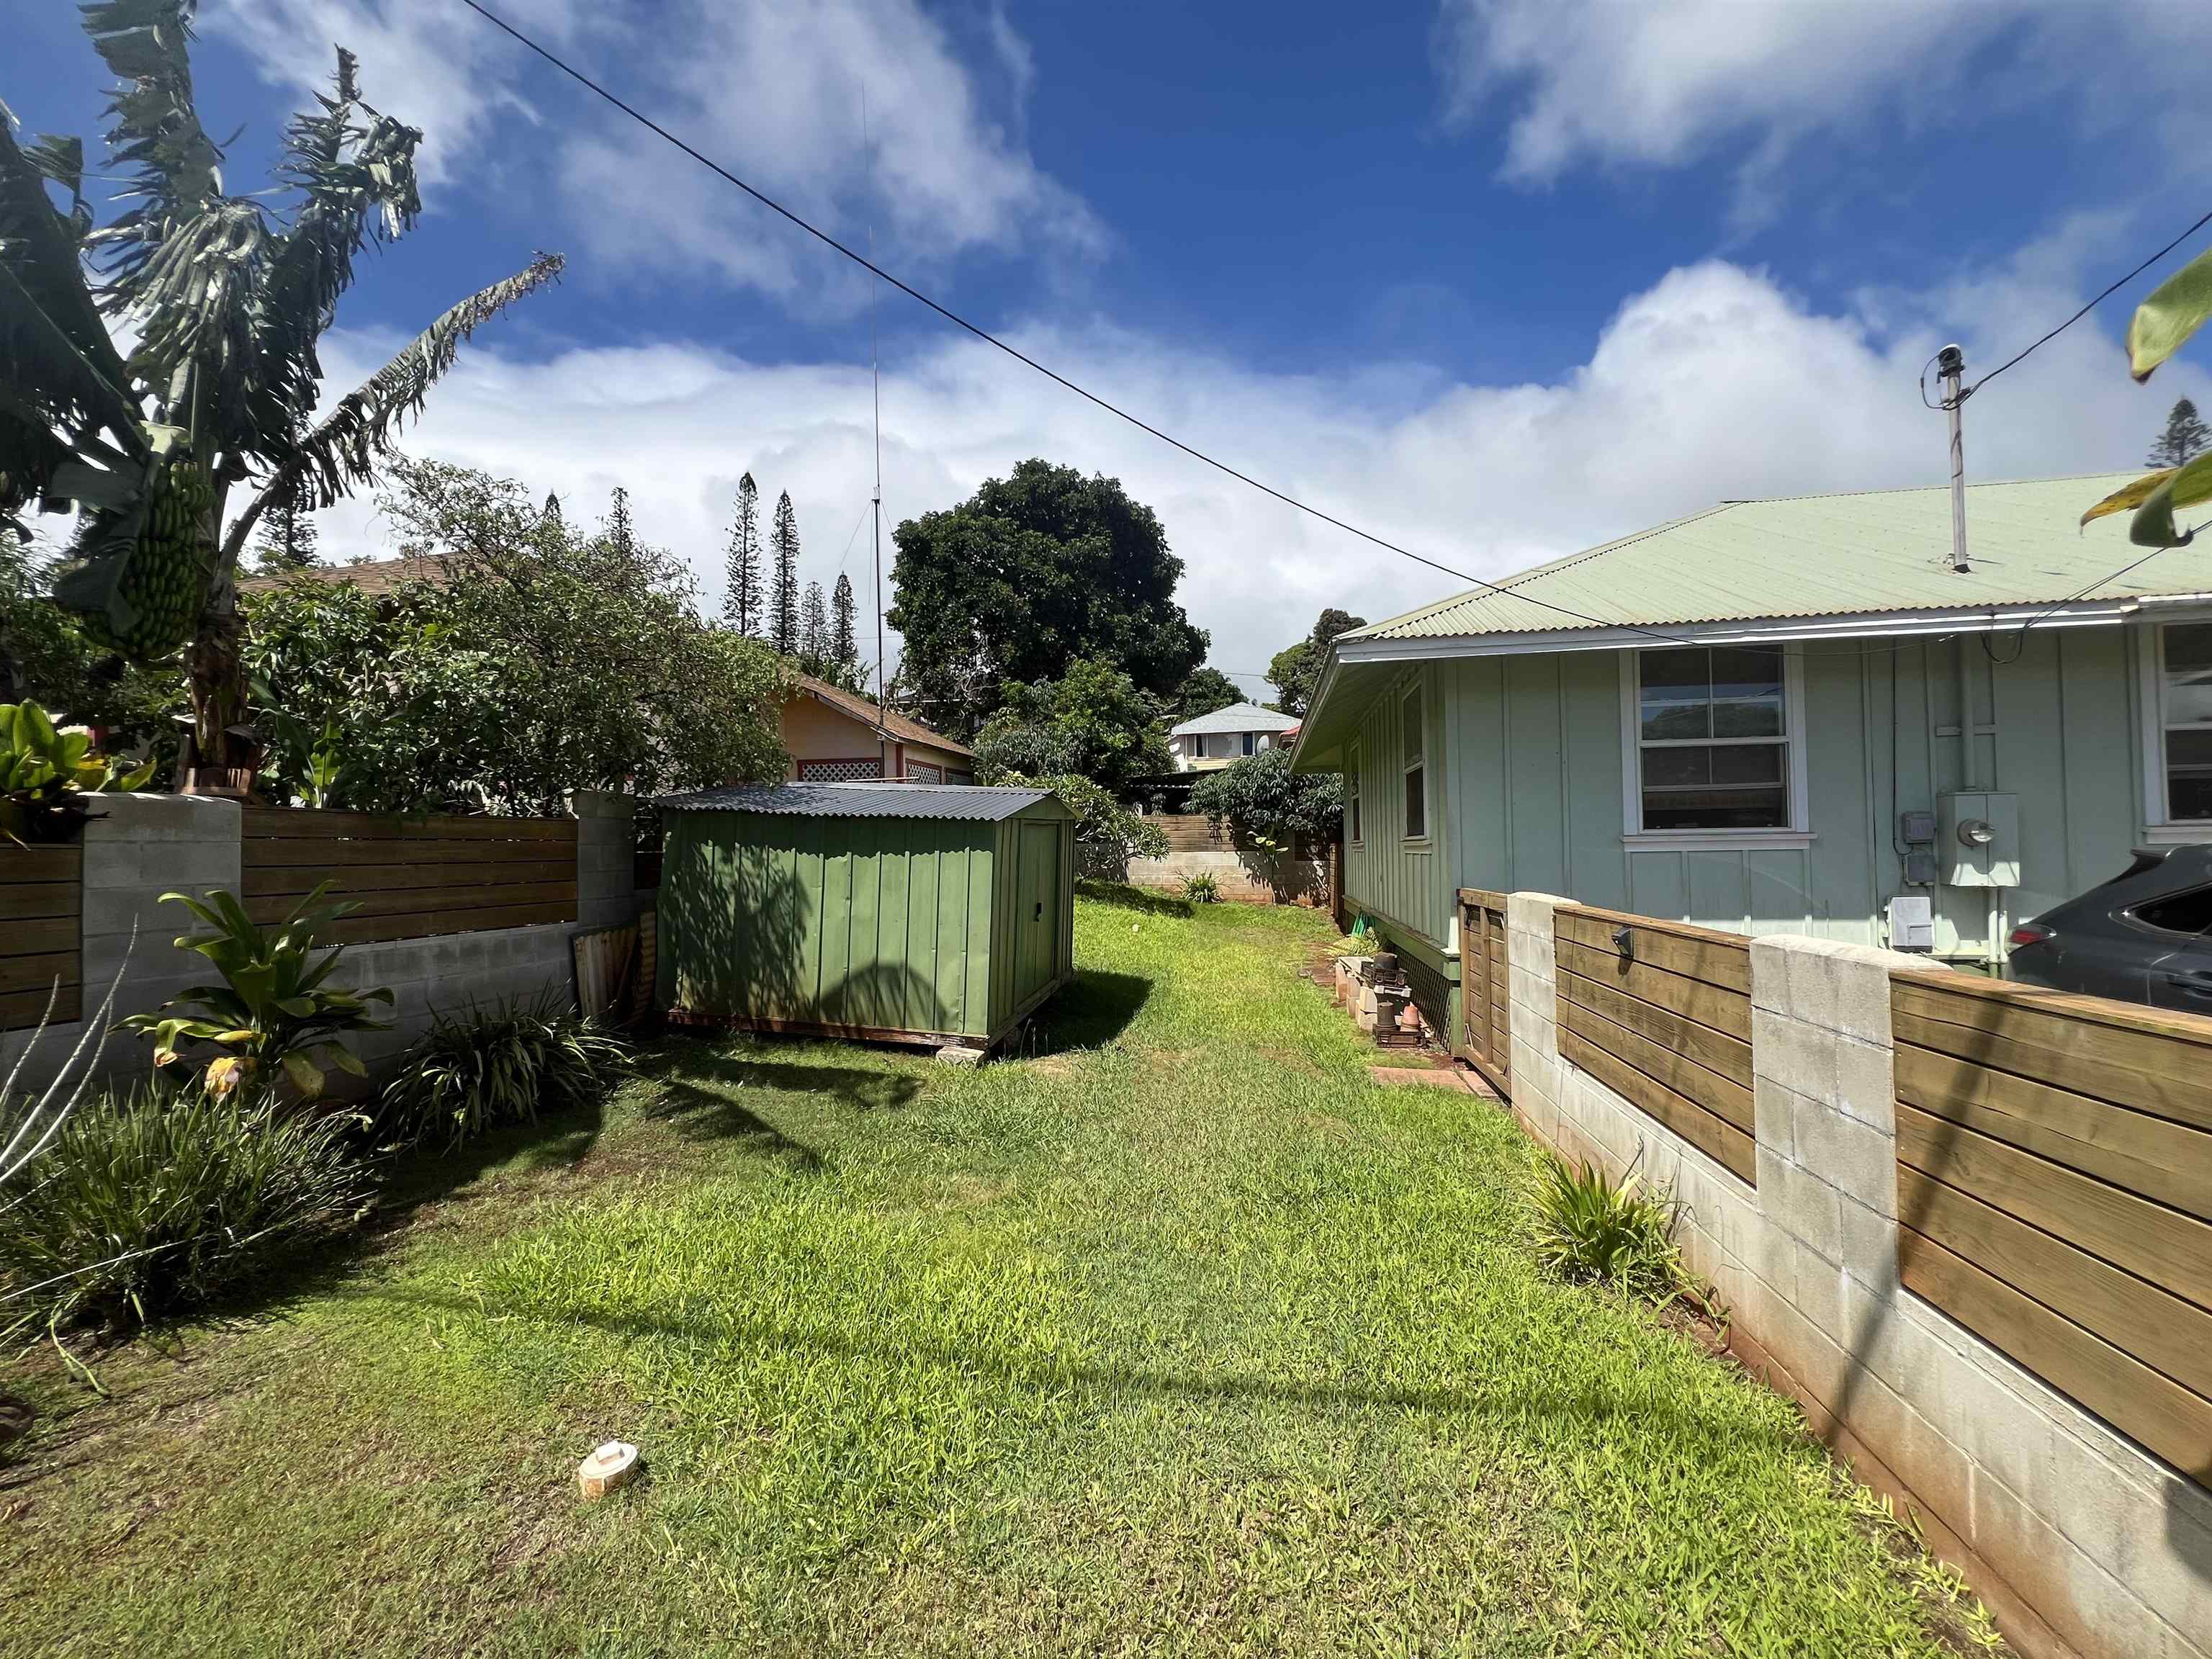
783,588
741,597
552,512
844,649
814,633
287,537
621,535
2185,437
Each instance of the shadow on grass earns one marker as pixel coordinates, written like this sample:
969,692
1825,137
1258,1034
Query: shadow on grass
1133,898
1088,1013
1591,1406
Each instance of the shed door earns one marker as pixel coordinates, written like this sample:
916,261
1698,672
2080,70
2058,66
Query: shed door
1037,923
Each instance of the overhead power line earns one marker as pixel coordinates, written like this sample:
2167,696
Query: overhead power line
2110,290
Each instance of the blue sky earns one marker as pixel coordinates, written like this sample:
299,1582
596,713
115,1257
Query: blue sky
1499,279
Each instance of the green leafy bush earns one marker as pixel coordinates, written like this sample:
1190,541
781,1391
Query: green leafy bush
273,1012
1590,1227
1107,833
146,1206
46,773
1200,889
1263,800
474,1071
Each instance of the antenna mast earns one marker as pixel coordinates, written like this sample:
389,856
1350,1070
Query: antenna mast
876,375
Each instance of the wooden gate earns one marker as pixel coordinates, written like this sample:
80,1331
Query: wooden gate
1485,1021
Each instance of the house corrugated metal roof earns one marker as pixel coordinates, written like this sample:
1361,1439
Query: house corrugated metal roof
1238,717
972,802
1820,556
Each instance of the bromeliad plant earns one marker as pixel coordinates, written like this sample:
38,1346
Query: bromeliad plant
273,1013
46,773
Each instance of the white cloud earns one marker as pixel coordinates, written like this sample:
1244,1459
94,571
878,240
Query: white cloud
1667,81
773,91
1713,383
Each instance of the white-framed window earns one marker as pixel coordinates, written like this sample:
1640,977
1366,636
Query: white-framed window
1413,746
1713,744
1355,781
2177,707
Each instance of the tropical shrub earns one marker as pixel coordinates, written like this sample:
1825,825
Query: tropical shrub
46,773
1106,832
147,1205
1093,721
1201,888
477,1070
1264,801
273,1012
533,659
1590,1227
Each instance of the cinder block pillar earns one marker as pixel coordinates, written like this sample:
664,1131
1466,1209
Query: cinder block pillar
606,858
136,849
1532,1011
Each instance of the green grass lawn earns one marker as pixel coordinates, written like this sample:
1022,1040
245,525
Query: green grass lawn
1181,1337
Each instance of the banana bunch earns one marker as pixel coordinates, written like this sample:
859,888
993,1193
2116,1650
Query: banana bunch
164,582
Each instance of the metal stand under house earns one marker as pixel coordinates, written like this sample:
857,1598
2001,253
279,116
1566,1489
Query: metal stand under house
933,914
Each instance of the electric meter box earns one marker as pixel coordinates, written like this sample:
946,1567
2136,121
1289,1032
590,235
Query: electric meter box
1977,838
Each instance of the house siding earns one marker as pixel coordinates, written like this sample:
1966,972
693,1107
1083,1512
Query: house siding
1525,794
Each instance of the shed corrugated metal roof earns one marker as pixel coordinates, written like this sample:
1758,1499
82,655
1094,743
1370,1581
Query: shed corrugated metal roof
1821,555
1237,717
973,802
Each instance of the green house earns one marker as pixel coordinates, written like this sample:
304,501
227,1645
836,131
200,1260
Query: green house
934,913
1791,715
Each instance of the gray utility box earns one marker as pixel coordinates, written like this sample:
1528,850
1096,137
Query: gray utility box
1978,839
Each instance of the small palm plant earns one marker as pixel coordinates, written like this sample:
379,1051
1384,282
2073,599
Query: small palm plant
273,1012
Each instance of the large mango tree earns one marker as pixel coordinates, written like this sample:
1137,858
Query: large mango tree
2162,323
158,373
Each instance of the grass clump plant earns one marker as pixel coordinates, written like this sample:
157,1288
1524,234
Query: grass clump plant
483,1067
147,1205
1202,889
1593,1228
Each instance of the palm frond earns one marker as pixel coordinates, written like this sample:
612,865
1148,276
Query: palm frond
357,180
172,169
56,358
342,449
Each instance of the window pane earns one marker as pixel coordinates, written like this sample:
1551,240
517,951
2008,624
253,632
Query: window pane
1738,807
1412,737
1673,676
2185,913
1673,767
1663,720
1744,671
1747,762
2189,775
1416,804
1748,720
2188,673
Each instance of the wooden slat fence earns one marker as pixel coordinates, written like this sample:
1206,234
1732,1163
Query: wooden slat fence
1485,1023
2054,1193
1665,1023
41,933
411,878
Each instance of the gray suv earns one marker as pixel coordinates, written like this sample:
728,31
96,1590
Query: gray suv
2144,936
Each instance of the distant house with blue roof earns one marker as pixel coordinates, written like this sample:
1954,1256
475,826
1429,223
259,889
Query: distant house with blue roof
1780,715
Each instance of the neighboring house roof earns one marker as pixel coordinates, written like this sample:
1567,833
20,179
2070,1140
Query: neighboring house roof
861,800
1865,554
370,576
896,724
1238,717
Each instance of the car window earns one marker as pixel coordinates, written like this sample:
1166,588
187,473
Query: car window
2181,913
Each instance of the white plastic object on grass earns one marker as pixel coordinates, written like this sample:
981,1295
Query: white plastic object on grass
612,1465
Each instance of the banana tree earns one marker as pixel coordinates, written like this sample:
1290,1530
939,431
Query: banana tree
151,367
2176,309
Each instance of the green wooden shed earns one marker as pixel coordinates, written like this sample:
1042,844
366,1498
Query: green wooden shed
939,914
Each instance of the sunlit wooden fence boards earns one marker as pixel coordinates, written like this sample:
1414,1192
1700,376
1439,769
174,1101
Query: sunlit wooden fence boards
41,920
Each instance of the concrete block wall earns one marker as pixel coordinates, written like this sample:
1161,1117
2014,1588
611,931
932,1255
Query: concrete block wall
147,845
2080,1541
